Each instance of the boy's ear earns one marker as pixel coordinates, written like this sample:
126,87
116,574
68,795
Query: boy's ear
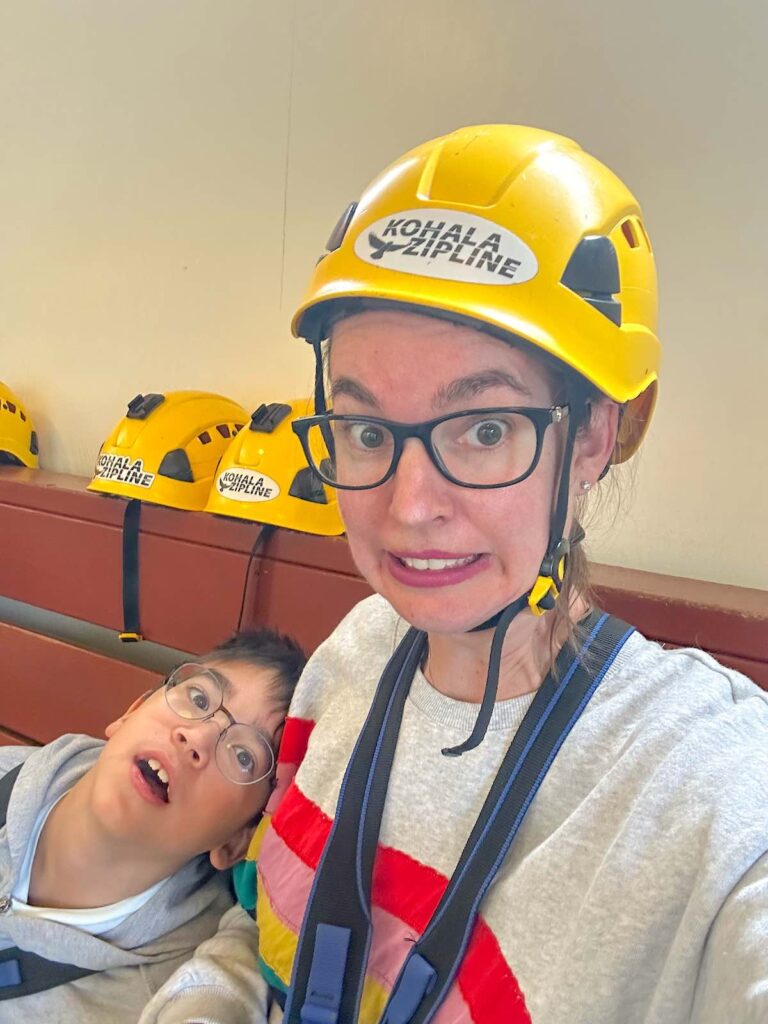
235,848
112,728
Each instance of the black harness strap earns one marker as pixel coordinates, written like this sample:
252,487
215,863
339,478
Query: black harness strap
334,898
554,711
131,630
23,973
6,788
326,986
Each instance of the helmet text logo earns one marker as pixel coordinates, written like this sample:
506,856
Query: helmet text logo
124,470
447,244
246,485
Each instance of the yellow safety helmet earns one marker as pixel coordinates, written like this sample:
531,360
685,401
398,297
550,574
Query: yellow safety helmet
18,437
514,230
166,448
264,476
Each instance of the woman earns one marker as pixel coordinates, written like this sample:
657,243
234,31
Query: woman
518,810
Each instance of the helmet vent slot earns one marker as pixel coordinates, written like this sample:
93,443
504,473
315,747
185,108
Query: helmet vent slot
223,429
204,437
340,228
628,230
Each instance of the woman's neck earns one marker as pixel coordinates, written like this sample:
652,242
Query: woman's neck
457,663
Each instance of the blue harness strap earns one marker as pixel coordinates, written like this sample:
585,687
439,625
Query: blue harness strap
416,980
337,905
326,978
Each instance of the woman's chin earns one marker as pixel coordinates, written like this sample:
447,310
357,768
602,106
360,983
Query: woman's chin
436,614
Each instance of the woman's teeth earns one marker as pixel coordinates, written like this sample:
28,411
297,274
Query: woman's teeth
158,769
435,564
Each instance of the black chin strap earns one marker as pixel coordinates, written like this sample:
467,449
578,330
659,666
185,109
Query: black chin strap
483,719
540,598
319,388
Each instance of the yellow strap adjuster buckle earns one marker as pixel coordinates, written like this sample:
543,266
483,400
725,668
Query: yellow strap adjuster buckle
543,595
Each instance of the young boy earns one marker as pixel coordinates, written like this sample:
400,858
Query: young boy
105,886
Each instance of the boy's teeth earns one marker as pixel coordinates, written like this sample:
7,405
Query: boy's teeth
437,563
158,769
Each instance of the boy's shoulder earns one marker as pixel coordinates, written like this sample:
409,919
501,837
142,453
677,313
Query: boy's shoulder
50,769
13,755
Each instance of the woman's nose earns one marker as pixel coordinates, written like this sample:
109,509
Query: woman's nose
419,491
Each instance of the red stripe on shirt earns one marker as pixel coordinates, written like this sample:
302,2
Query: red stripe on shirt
410,891
293,745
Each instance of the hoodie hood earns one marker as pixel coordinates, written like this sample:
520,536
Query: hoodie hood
181,914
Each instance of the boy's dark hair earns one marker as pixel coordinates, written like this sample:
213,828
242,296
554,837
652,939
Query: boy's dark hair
270,650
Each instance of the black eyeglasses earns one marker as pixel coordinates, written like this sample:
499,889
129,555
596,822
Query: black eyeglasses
243,754
481,448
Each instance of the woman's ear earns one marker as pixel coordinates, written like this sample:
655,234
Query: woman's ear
595,443
235,848
112,728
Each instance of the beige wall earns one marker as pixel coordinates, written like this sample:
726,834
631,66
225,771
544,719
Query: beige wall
170,170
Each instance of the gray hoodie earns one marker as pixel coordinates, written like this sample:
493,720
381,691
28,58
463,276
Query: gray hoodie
136,956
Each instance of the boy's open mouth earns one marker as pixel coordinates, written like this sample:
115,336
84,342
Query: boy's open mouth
155,776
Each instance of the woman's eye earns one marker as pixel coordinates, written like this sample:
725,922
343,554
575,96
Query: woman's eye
367,435
198,697
487,433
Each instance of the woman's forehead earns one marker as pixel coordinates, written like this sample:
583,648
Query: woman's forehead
374,346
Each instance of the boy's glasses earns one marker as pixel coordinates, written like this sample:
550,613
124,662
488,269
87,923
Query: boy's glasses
243,754
480,448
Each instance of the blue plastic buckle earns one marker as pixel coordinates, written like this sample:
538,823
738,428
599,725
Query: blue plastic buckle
10,973
326,976
415,982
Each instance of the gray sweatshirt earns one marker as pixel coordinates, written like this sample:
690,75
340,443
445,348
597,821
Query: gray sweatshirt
136,956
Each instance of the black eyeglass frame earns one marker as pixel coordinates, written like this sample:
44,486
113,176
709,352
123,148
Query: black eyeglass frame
203,670
540,417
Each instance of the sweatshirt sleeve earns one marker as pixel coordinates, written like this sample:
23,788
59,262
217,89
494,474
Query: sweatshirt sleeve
733,982
221,984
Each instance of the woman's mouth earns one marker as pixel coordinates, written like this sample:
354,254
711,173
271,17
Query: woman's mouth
434,568
436,564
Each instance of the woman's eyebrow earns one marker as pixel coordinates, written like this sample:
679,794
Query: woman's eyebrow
352,389
476,383
462,388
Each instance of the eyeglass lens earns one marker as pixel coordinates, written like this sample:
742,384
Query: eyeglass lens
243,755
475,448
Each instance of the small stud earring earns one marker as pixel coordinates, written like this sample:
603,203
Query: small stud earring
586,485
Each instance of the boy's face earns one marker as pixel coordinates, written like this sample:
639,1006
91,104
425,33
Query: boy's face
203,810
